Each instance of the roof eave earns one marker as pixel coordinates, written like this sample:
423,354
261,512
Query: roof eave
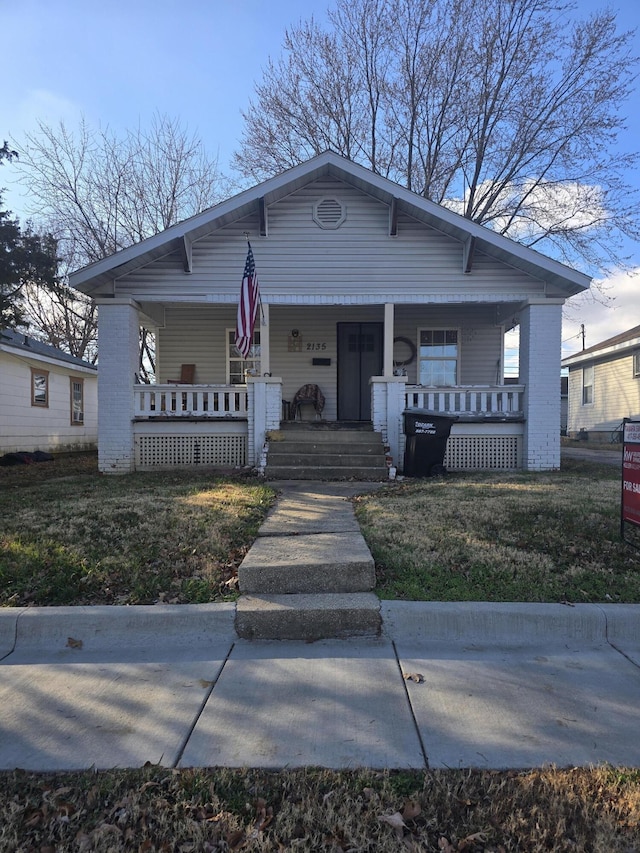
593,354
567,281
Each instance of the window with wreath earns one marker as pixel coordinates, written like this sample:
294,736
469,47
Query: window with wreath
77,401
39,387
438,355
237,366
587,385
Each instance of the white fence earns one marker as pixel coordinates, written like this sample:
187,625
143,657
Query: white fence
189,401
506,400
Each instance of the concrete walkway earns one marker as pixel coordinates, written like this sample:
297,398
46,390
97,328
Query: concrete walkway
447,685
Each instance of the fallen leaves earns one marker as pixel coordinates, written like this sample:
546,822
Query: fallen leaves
74,644
418,677
395,821
465,845
398,821
218,810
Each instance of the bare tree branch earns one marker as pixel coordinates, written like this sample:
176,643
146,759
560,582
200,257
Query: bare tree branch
508,111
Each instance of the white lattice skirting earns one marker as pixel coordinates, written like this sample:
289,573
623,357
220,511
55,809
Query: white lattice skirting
479,452
153,451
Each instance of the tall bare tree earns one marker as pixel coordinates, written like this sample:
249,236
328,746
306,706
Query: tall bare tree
62,319
506,110
98,192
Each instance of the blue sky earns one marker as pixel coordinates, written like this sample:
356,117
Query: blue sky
118,61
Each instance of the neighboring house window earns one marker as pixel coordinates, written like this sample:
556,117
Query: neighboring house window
39,387
237,366
636,363
77,401
438,354
587,385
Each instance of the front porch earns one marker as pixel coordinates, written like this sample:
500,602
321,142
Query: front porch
231,425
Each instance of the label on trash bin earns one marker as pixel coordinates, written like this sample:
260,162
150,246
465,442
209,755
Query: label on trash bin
424,428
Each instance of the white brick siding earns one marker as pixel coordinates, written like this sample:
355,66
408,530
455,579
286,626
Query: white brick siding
540,337
264,404
118,348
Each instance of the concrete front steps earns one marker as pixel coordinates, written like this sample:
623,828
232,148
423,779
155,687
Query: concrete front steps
324,450
308,587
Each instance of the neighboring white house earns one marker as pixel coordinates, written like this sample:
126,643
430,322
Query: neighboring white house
381,298
604,386
48,399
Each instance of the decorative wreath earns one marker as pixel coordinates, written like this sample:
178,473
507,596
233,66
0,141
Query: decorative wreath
412,352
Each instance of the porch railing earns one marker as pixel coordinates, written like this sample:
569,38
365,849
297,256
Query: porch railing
504,400
190,401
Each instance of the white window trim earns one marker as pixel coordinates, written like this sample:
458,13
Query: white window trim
39,404
635,362
73,380
591,385
229,335
458,331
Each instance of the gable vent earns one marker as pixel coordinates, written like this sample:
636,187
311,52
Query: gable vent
329,213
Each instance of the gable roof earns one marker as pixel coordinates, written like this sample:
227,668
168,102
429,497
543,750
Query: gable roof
10,340
567,281
618,344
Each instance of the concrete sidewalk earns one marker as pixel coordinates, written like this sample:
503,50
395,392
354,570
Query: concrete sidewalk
446,685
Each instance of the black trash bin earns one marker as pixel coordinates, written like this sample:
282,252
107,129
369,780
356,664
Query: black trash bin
426,443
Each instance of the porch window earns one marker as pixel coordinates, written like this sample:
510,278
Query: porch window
438,354
237,366
587,385
39,387
77,401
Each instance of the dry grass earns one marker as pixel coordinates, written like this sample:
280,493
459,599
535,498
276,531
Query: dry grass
71,536
503,537
200,811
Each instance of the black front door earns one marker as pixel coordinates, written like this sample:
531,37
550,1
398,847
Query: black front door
359,358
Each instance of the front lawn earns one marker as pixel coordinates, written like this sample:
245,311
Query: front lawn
548,537
69,535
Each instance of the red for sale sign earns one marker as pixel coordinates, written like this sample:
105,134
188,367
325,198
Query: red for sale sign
631,472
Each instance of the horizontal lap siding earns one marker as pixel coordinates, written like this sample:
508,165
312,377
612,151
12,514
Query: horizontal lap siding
358,262
616,395
24,427
480,344
195,334
315,325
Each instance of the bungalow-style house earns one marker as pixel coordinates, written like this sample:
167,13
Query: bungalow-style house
604,386
48,398
374,296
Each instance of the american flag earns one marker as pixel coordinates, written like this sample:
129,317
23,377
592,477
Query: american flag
248,306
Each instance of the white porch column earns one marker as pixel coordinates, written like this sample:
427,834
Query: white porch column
264,401
540,354
387,405
118,347
265,341
387,361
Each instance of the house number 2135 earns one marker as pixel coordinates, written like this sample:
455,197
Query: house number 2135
314,347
